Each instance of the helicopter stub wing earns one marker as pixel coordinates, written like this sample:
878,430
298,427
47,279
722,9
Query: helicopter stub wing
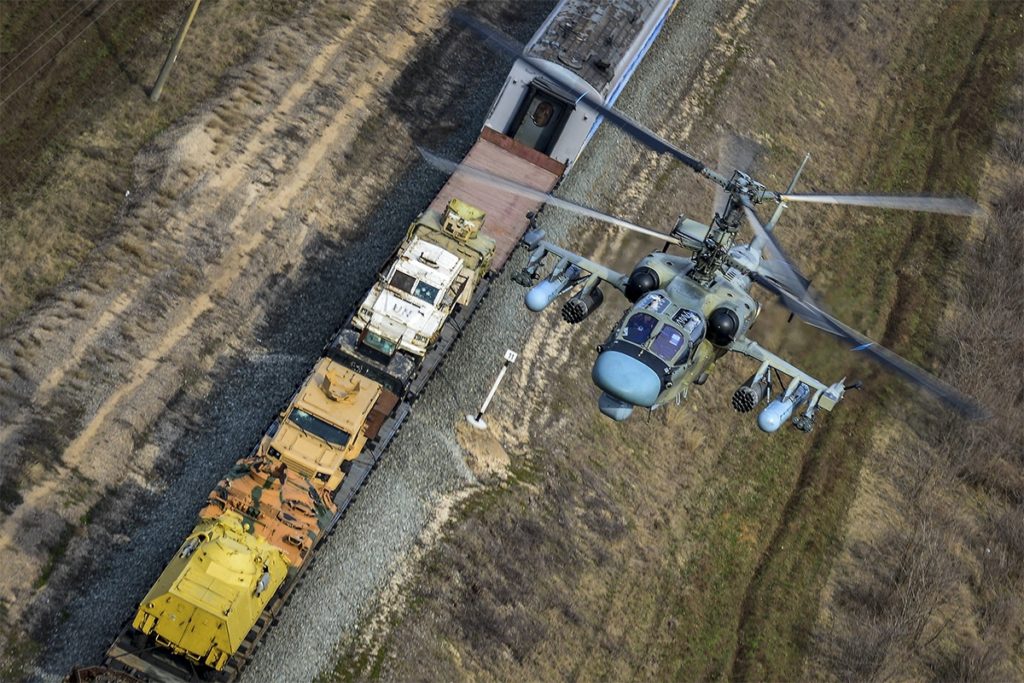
749,347
796,395
587,271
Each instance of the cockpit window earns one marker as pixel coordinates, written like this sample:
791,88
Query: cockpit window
402,281
654,301
425,292
691,324
667,343
639,328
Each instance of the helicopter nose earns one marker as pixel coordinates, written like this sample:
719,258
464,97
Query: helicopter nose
626,379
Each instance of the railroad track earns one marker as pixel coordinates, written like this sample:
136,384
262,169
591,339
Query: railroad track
134,656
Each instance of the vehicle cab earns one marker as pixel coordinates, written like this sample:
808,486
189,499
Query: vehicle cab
405,311
325,424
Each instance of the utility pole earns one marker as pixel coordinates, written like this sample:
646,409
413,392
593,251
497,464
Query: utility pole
179,39
478,421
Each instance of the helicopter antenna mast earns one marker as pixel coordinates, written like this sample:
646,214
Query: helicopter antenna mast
782,204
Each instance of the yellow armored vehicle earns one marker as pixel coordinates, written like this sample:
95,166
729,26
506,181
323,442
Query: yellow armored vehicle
437,268
212,591
328,423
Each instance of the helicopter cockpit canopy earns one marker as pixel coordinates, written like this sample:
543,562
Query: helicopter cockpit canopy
656,325
656,337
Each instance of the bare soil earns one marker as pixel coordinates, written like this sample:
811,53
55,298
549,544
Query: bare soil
161,347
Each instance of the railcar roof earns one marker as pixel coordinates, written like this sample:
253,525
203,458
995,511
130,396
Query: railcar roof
584,36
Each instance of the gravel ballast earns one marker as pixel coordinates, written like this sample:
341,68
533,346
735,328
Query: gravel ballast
425,463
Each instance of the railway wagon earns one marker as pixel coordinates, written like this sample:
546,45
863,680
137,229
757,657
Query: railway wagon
262,524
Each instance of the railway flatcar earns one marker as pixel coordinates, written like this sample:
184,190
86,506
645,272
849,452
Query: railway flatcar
262,524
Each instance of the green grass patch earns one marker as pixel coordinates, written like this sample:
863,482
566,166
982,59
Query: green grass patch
56,553
937,136
17,654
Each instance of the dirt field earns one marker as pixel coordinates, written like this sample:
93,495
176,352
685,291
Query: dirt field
929,582
149,342
198,301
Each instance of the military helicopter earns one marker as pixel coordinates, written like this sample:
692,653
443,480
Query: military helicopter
690,310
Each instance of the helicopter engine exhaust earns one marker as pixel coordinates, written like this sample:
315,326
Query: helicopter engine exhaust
583,304
750,393
780,410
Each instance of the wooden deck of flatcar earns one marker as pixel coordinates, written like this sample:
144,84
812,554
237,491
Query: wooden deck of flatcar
506,213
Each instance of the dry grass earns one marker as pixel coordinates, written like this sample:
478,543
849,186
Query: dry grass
688,546
76,107
935,590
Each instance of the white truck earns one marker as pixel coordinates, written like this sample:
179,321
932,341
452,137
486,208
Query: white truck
437,268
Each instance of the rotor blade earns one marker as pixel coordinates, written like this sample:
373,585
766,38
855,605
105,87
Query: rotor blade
503,43
817,317
735,153
783,273
779,267
952,205
513,187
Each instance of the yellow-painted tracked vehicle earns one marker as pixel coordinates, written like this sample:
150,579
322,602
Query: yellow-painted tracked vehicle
212,591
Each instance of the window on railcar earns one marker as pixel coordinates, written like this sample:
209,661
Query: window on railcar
540,120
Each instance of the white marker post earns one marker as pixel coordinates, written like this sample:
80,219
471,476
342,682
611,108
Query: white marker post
478,421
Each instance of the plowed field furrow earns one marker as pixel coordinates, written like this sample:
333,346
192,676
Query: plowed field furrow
195,234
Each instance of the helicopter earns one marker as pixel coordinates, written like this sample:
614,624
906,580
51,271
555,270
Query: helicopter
688,311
